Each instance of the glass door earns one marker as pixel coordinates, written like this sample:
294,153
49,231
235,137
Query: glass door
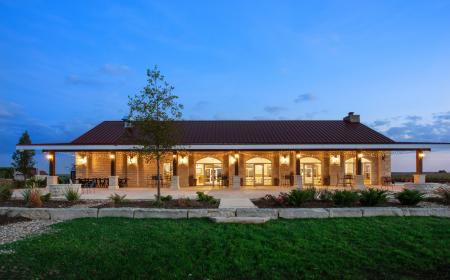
259,174
366,172
308,173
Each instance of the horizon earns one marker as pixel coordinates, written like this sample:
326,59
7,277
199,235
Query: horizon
64,67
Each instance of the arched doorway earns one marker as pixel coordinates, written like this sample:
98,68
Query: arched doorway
208,171
258,172
350,169
311,169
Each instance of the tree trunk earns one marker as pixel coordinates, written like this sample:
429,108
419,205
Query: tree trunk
158,183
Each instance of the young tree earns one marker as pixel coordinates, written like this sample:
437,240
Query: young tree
23,161
152,113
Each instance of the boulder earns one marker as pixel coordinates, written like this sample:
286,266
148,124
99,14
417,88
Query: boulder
30,213
258,212
381,211
213,212
116,212
72,213
345,212
160,213
302,213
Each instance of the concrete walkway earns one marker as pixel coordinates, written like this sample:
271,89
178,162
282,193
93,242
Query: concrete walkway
236,203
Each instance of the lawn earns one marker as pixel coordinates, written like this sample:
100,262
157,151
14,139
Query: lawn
382,247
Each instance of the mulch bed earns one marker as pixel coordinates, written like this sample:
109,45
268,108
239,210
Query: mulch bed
173,204
4,220
262,203
49,204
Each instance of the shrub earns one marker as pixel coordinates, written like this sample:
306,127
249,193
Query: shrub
326,195
166,198
72,194
5,192
345,198
372,197
201,196
444,194
46,197
298,197
409,197
36,183
117,198
18,184
32,197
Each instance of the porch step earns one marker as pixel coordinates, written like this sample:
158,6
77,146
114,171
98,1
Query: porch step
240,220
236,203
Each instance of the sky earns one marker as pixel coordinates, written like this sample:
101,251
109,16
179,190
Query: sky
65,66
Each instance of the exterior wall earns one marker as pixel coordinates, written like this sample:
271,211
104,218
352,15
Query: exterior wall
140,174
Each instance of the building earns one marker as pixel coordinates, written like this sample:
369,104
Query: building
240,154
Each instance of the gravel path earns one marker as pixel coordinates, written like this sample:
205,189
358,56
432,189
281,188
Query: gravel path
16,231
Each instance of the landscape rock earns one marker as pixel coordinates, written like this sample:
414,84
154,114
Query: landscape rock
214,212
345,212
30,213
381,211
116,212
261,212
161,213
302,213
72,213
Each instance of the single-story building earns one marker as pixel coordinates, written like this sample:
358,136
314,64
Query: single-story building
240,153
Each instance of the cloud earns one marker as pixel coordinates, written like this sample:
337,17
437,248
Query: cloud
380,123
414,128
275,110
115,69
9,110
306,97
81,81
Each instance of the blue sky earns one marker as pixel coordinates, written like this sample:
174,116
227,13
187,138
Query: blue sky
67,65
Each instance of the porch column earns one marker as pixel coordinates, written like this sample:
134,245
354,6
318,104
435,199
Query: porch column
419,177
298,174
175,183
359,178
113,179
52,179
236,177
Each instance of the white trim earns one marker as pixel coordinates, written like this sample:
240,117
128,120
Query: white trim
402,146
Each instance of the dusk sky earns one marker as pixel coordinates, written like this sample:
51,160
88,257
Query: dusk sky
65,66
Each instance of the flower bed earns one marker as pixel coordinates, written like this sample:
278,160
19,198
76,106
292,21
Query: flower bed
181,203
47,204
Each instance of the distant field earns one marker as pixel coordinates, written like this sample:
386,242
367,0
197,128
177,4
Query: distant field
432,177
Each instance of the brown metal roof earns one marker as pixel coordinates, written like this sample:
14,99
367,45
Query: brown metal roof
248,132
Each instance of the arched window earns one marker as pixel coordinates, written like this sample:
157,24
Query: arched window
208,171
258,172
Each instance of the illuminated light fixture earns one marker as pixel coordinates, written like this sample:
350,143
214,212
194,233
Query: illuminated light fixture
284,160
360,155
298,155
112,156
232,160
236,156
132,160
82,160
174,156
49,156
183,160
421,155
336,160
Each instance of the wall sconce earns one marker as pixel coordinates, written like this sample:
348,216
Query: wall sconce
232,159
335,160
284,159
183,160
297,155
82,160
132,160
360,155
112,156
236,156
421,155
49,156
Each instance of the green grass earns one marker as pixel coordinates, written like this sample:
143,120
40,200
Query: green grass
382,247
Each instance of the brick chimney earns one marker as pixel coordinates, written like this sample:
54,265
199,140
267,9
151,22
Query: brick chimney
351,118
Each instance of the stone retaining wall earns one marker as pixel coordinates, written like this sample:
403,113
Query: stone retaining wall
284,213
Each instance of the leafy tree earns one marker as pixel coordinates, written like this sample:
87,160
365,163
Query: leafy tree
152,113
23,161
